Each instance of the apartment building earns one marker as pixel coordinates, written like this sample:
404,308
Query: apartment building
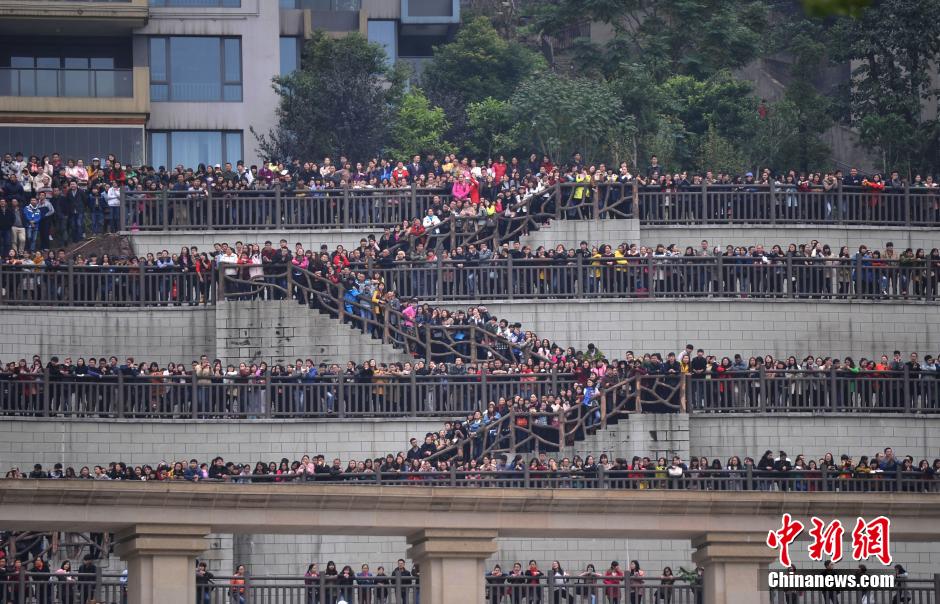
171,82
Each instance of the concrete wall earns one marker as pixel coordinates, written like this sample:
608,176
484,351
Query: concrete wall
836,236
162,335
146,242
285,330
813,435
571,233
748,327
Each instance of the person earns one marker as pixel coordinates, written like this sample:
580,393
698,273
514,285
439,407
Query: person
344,584
864,596
902,594
495,585
613,581
87,575
67,582
534,581
312,583
666,581
365,583
237,587
41,578
636,582
402,576
587,584
381,586
831,595
204,583
558,579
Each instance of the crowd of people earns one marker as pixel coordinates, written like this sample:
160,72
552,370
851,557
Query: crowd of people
436,461
49,198
406,265
565,382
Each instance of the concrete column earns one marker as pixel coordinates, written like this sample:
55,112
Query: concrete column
734,566
452,563
161,562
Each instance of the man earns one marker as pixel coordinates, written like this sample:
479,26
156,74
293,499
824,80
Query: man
32,215
191,472
7,220
402,576
87,576
75,202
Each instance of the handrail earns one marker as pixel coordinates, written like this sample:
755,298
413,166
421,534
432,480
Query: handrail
579,277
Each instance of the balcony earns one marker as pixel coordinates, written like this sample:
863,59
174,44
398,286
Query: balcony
32,92
430,11
72,16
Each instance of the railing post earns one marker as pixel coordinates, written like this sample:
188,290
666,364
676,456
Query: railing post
772,205
721,288
46,394
164,197
764,388
558,197
651,276
439,281
341,396
579,281
119,399
749,478
413,387
453,476
218,275
833,390
510,278
267,394
907,389
473,343
344,213
635,192
790,277
824,478
526,477
195,395
936,586
122,211
483,391
838,213
907,204
278,202
859,292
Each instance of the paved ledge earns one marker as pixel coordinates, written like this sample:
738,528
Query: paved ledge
364,510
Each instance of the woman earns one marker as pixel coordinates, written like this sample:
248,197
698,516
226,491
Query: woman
587,584
666,581
67,582
344,584
636,582
238,587
558,582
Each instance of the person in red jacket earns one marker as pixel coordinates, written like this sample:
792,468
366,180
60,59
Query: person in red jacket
613,580
534,580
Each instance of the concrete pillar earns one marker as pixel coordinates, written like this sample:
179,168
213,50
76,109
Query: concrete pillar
161,562
735,566
452,563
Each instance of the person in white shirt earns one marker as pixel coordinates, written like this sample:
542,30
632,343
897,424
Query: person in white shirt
113,197
431,221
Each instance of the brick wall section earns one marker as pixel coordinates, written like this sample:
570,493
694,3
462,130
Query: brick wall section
153,242
748,327
162,335
283,330
813,435
571,233
835,236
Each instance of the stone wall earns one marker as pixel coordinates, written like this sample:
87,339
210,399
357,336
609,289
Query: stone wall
157,334
836,236
571,233
748,327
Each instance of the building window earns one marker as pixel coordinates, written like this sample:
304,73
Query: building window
198,3
290,54
193,147
385,33
323,5
195,68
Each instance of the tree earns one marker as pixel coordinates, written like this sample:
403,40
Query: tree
477,64
560,116
895,47
417,128
339,102
491,127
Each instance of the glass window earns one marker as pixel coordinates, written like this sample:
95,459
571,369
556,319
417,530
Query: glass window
385,33
196,68
288,3
193,147
290,54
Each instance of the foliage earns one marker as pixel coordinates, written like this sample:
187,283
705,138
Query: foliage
895,47
339,102
491,127
560,116
476,65
417,128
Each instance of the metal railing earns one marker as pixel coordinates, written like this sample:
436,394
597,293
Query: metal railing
64,82
587,588
30,587
906,591
136,285
343,207
268,395
573,277
263,396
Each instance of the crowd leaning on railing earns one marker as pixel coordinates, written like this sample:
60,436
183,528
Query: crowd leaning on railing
73,199
423,464
411,266
564,383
